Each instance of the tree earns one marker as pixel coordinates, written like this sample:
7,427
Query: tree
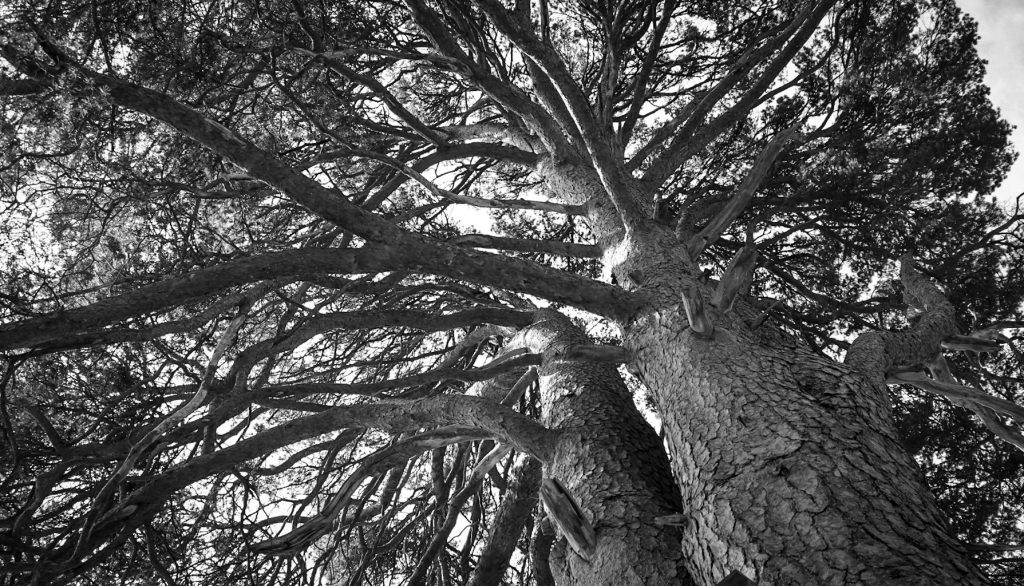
246,342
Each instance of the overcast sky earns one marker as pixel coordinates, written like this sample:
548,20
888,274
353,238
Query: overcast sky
1001,27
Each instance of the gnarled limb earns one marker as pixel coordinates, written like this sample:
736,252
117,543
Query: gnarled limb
737,278
100,511
875,353
473,419
440,538
880,354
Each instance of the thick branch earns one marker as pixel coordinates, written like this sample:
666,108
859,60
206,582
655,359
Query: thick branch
875,353
326,202
514,274
261,165
555,247
187,324
737,278
22,87
431,376
598,140
518,141
744,194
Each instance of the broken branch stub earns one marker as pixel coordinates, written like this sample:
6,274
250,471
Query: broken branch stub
698,317
569,518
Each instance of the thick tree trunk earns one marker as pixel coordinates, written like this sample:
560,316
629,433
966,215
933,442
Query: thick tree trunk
790,466
788,463
614,465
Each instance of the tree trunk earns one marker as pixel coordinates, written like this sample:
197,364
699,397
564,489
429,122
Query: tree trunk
789,463
614,465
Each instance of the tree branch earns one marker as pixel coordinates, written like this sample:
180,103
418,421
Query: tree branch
509,521
468,413
375,465
554,247
881,354
511,273
22,87
505,94
260,165
598,140
875,353
540,552
693,137
473,483
431,135
640,96
744,194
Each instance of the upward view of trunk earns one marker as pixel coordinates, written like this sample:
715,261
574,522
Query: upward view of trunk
239,277
612,462
789,463
790,466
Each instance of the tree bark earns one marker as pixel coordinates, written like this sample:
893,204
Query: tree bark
791,466
789,463
612,462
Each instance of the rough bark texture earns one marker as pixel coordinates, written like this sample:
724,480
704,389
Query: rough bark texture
612,462
789,463
875,353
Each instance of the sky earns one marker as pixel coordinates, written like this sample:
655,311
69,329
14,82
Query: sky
1001,28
